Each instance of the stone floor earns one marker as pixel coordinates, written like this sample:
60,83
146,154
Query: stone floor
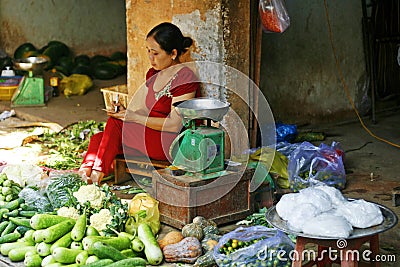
371,160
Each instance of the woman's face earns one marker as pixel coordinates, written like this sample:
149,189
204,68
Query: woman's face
159,59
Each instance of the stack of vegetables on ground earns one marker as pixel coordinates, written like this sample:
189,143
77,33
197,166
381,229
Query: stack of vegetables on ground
203,244
62,221
193,244
65,148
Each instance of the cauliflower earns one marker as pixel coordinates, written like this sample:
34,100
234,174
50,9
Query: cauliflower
91,193
101,219
69,212
24,174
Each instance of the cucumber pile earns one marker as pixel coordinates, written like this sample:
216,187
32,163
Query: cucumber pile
53,240
14,213
9,189
39,238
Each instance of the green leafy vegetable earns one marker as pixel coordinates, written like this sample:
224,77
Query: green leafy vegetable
256,219
60,189
95,199
66,146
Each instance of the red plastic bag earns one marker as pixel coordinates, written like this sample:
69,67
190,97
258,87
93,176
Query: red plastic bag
274,16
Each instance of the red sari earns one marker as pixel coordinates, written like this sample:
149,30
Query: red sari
135,139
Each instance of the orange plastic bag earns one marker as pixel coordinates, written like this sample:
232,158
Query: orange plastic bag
274,16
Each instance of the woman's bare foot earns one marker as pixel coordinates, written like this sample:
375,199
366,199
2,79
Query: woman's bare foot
96,176
85,173
85,170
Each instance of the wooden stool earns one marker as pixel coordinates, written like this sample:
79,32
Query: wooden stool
349,258
124,167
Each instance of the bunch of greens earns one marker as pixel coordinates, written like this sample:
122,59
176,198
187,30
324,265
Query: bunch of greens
257,218
66,147
119,211
60,189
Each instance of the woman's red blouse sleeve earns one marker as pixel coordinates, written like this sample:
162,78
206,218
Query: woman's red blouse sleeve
186,82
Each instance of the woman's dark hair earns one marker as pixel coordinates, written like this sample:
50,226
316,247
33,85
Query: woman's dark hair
170,37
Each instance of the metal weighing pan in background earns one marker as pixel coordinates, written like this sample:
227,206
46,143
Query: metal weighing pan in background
389,220
34,64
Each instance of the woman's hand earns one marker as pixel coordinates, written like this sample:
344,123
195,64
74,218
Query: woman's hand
117,107
119,115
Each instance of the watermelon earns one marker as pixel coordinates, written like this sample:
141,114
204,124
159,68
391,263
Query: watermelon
23,49
82,60
105,71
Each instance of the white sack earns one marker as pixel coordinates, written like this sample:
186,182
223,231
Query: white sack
328,225
334,194
301,215
286,204
317,197
361,213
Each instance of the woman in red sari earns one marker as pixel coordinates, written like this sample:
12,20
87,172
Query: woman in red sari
150,124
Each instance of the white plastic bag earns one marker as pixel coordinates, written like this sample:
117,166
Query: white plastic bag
329,225
360,213
334,194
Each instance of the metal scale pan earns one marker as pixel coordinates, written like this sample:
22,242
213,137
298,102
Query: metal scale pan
202,108
31,64
389,221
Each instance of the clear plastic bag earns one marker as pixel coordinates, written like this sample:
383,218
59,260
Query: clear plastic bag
274,16
310,165
36,199
272,246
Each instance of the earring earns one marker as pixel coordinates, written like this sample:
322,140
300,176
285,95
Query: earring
173,58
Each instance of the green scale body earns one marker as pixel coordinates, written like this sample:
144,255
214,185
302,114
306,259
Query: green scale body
29,93
201,150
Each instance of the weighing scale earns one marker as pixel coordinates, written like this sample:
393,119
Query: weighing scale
200,149
30,91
